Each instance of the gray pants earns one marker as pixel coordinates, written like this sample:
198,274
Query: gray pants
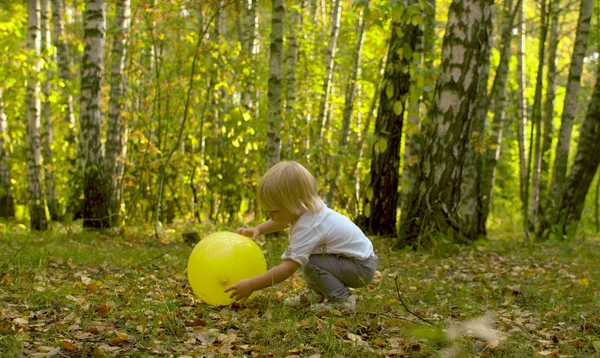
331,275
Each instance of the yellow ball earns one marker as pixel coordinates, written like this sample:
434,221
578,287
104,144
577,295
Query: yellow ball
220,260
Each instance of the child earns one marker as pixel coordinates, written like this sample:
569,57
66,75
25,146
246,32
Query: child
332,251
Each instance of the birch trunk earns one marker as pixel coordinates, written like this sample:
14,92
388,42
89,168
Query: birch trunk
96,201
35,191
433,207
381,204
348,107
522,113
7,203
548,113
497,105
74,207
291,63
583,170
570,107
46,119
329,63
63,63
275,77
115,140
536,127
250,48
470,206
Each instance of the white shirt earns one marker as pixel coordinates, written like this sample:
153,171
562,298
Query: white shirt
326,232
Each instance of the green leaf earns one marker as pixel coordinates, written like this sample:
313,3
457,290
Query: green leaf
407,50
398,108
417,20
381,145
389,90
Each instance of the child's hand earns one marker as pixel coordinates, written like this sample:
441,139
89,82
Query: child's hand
252,232
241,290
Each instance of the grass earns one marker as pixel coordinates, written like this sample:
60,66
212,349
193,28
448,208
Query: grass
124,293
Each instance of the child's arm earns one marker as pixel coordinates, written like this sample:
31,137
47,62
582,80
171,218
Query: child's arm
243,289
267,227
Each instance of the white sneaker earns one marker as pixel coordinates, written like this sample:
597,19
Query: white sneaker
340,304
304,299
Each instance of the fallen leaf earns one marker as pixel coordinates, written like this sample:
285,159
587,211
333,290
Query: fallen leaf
68,346
121,338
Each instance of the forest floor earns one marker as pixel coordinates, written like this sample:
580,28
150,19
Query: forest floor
68,293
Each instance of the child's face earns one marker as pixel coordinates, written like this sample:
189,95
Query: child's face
282,216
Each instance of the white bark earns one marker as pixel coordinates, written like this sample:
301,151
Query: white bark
37,210
273,152
115,141
96,202
329,63
522,114
348,107
46,119
570,106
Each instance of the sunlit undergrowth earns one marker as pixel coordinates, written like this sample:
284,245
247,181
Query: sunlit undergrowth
125,293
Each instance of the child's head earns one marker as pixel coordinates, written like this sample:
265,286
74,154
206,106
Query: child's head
288,185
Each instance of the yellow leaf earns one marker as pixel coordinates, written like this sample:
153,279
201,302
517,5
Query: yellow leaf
380,342
416,20
584,282
413,160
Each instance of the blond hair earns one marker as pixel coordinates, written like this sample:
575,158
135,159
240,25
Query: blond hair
291,186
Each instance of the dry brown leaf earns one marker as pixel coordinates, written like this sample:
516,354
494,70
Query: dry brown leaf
68,346
7,280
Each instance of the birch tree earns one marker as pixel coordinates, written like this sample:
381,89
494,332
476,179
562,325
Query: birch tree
433,204
470,205
74,152
329,63
96,202
63,62
583,171
522,113
250,49
548,105
535,155
46,118
497,104
116,137
569,110
35,191
7,204
291,83
275,77
349,105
